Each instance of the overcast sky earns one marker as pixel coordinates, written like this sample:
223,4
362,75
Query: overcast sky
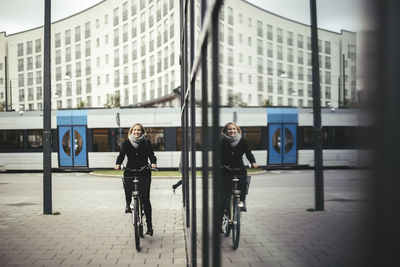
334,15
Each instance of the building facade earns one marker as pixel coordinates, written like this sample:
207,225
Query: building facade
126,52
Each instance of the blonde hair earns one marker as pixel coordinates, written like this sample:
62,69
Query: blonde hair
231,123
141,127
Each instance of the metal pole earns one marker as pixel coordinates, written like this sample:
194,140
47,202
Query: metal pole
206,148
47,201
11,96
193,141
6,81
318,171
339,92
344,80
216,143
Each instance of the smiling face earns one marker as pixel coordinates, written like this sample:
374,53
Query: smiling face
231,130
137,131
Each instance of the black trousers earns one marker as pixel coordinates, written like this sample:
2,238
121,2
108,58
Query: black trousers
144,190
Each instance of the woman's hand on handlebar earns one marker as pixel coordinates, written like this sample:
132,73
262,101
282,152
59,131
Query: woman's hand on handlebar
254,165
154,166
117,167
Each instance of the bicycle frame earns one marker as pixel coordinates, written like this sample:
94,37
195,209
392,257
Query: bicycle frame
136,205
232,213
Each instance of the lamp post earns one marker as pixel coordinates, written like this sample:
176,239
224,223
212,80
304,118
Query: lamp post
47,194
318,171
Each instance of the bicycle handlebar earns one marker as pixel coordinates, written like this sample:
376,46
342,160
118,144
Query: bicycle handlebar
234,169
148,167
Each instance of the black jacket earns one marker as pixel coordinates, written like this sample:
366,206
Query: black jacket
233,156
137,157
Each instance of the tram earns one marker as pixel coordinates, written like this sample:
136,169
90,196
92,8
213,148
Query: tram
91,139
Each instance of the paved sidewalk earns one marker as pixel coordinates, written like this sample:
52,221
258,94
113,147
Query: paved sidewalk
278,231
92,229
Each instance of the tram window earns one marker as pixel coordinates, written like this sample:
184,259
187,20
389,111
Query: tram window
343,136
35,138
101,140
198,138
124,133
307,138
253,137
156,136
11,139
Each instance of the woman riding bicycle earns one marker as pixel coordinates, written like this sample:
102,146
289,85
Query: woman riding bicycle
233,147
138,150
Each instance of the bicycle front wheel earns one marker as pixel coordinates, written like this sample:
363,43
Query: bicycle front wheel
236,225
136,224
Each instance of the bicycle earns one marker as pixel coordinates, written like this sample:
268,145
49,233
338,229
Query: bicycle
232,215
136,205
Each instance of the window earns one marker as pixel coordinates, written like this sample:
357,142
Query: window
179,138
327,47
290,38
343,136
88,69
77,51
78,69
67,37
20,50
38,61
279,35
327,62
101,140
11,139
87,48
253,137
87,30
77,33
58,40
270,50
68,54
156,137
38,46
259,28
88,86
299,41
230,16
269,32
306,138
116,37
21,64
29,47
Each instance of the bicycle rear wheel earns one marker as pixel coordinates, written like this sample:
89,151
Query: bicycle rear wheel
136,224
236,225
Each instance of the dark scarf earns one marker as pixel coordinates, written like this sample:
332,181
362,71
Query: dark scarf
233,141
135,141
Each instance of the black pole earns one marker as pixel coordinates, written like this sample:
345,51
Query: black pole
47,201
193,140
11,96
6,81
216,142
339,92
181,163
318,171
205,147
344,80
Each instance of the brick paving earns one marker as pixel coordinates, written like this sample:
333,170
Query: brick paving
92,229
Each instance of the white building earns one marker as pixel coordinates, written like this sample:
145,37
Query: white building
131,48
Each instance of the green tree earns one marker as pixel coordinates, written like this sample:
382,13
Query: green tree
81,104
2,106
